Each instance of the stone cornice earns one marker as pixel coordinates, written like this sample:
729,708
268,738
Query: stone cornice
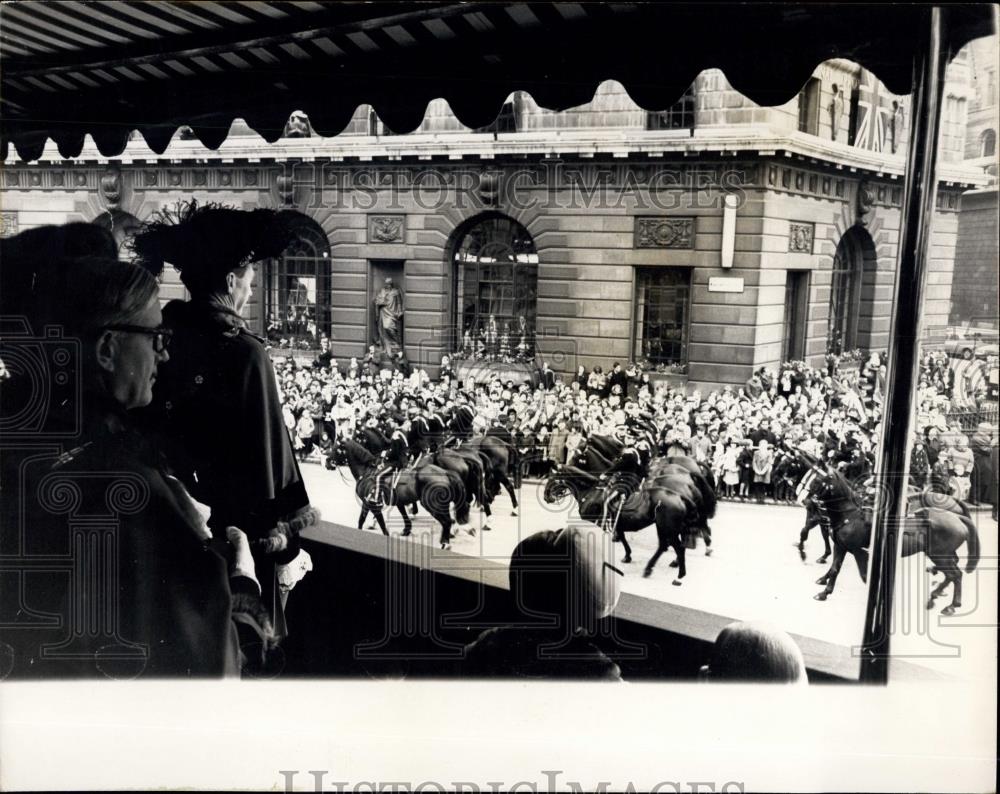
585,144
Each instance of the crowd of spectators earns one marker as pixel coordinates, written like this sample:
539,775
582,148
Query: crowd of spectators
739,432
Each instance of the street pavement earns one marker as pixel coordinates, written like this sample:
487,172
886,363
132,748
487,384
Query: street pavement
754,573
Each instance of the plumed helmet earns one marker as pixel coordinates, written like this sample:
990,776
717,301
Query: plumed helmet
204,242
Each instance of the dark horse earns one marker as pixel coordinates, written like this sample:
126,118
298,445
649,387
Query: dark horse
497,455
936,527
671,502
433,487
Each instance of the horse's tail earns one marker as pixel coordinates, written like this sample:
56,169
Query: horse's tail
477,486
972,542
708,498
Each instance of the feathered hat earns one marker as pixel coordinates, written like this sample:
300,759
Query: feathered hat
204,242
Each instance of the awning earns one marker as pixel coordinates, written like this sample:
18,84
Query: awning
107,67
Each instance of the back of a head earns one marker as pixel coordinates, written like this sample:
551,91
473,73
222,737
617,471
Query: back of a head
46,247
565,572
91,293
756,652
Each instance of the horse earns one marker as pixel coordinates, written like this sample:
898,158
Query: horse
671,503
590,459
934,530
497,455
473,469
608,446
432,486
705,482
372,439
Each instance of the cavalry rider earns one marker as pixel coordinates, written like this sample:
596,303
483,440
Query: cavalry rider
628,469
396,457
465,414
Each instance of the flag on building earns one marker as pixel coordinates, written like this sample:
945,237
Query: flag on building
871,114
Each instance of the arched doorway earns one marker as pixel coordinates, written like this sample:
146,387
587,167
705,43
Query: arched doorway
294,308
122,226
852,291
495,289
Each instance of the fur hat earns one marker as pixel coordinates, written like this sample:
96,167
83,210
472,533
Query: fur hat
204,242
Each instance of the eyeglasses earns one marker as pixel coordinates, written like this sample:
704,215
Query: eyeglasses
161,336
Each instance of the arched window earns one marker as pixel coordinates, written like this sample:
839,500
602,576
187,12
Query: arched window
296,290
852,293
988,143
496,289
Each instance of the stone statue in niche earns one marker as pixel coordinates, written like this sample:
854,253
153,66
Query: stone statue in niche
837,105
389,317
111,188
865,202
896,125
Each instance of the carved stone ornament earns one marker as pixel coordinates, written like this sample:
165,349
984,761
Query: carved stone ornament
285,184
866,202
8,224
664,232
800,238
489,189
111,187
385,228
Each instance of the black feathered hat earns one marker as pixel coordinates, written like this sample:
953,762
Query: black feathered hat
204,242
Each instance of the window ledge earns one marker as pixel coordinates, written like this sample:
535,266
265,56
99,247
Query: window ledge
829,659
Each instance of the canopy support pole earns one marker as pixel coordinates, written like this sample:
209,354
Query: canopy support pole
919,198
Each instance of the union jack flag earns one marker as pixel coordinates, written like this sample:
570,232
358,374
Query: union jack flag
870,115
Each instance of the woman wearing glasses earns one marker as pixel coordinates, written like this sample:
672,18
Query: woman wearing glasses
149,590
217,398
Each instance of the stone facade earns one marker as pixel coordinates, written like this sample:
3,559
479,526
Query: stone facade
602,197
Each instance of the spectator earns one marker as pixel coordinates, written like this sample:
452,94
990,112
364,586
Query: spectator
983,473
763,460
172,597
755,652
562,575
217,400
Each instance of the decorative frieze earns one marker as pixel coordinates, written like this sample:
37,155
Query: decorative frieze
800,237
8,223
386,228
664,232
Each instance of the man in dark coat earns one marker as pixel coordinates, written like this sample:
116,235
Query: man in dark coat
216,400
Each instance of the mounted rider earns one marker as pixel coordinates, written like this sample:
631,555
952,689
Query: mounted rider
629,468
464,417
395,458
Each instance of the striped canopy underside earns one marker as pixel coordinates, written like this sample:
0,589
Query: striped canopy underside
108,67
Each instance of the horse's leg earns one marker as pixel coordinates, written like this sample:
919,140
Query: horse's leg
380,520
628,549
956,596
414,509
803,537
826,544
830,577
706,533
407,523
363,516
861,558
681,549
652,560
509,487
941,565
445,520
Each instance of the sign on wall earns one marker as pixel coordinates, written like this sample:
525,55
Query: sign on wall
725,284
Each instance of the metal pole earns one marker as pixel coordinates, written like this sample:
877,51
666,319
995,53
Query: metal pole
919,197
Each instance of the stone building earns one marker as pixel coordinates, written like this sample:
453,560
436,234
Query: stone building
974,288
708,239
